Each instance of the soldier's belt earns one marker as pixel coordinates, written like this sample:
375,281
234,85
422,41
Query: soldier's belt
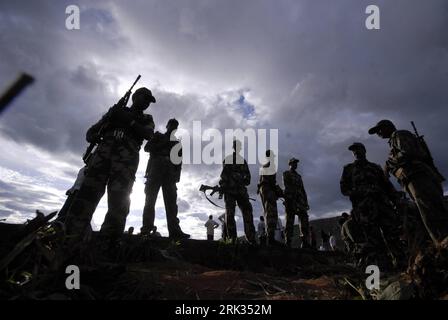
117,134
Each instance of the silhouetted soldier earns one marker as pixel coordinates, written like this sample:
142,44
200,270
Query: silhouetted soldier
120,134
296,203
163,171
234,179
269,192
409,162
372,196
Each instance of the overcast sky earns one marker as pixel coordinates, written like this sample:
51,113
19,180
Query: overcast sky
307,68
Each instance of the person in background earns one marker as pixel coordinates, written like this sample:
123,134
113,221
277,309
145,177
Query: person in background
332,242
155,233
211,225
279,232
261,231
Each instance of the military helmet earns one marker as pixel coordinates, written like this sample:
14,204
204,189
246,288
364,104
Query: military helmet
293,160
356,145
381,124
144,91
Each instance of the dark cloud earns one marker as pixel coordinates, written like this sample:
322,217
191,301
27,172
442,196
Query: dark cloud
308,68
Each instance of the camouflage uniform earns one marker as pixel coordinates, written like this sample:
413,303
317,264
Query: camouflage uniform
235,177
407,162
113,165
161,172
371,194
269,193
296,203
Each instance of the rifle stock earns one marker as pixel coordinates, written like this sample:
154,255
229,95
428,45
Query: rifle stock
204,188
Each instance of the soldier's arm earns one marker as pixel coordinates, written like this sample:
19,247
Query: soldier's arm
386,185
246,173
178,167
286,181
406,147
224,174
303,192
145,131
385,182
345,183
155,143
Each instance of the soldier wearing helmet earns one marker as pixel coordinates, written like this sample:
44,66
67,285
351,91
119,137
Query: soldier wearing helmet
119,134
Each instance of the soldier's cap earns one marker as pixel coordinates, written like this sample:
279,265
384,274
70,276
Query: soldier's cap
379,125
173,121
293,160
145,91
356,145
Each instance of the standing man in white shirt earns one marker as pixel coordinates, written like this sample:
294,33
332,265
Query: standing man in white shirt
211,225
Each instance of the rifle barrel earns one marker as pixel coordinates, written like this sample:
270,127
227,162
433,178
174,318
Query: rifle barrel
415,128
136,80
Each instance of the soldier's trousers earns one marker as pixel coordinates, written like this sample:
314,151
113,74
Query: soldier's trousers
428,196
377,221
169,191
114,167
231,200
269,201
292,209
350,231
